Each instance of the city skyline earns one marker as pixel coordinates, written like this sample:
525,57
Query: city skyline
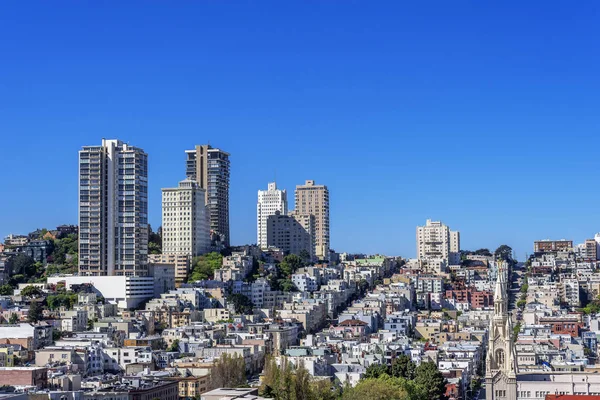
451,117
155,203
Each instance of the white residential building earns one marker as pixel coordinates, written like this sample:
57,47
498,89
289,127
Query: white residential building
113,210
124,291
185,223
269,202
436,241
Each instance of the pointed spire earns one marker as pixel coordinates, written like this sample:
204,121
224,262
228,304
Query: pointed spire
499,294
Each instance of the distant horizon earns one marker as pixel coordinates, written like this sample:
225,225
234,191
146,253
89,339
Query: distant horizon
474,114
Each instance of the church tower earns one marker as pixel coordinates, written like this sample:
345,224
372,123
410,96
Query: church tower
500,364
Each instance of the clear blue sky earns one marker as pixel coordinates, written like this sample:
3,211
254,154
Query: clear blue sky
482,114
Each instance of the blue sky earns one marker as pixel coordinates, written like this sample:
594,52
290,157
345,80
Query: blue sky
481,114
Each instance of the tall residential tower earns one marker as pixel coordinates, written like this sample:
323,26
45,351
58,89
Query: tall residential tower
113,210
314,200
270,201
210,169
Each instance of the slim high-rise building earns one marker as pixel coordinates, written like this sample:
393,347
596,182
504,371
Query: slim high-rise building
314,200
436,241
113,210
210,168
185,223
270,201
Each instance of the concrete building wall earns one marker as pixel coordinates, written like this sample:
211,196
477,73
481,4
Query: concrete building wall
313,199
270,201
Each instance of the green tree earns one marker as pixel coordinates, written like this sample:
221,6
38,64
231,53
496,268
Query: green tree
67,246
305,256
31,291
524,288
174,347
377,389
204,267
363,285
289,383
431,379
516,330
67,300
20,264
241,303
483,252
403,367
153,248
90,324
16,279
35,312
521,303
287,285
290,264
228,371
14,319
6,290
504,252
376,370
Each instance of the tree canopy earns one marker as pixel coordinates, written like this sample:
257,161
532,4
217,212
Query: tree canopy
429,377
204,267
228,371
293,383
504,252
31,291
35,312
21,264
241,303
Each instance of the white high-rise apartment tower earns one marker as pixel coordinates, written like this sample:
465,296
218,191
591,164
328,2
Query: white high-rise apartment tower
113,210
185,222
314,200
436,241
270,201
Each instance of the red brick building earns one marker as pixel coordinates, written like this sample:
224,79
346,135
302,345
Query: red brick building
25,376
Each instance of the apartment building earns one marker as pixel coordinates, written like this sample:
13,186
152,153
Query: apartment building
292,234
180,261
548,246
209,167
113,210
185,225
270,201
313,199
436,241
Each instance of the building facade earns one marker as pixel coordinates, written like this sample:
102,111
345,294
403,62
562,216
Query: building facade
313,200
292,234
185,224
436,241
180,261
210,168
270,201
113,210
548,246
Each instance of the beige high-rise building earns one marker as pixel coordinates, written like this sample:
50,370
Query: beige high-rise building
185,228
436,241
292,233
314,200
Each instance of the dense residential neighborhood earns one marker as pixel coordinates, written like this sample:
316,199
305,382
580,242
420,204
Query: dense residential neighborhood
109,309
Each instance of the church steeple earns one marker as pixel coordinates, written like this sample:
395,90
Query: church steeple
501,366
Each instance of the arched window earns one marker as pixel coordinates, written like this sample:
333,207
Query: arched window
500,358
